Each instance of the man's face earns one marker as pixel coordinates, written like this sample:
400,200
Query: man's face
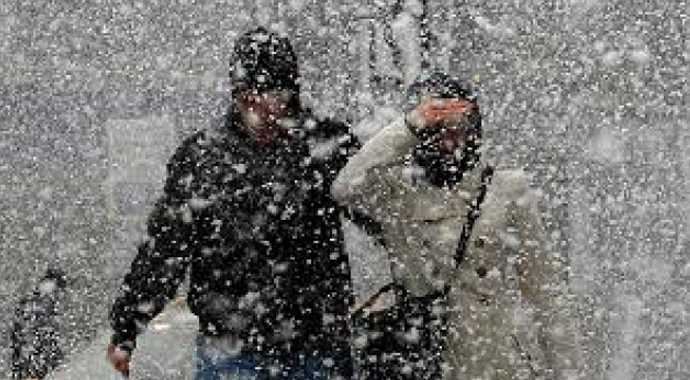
262,112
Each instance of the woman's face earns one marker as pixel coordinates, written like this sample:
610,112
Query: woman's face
453,118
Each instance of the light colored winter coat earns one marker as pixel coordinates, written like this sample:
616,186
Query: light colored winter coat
509,314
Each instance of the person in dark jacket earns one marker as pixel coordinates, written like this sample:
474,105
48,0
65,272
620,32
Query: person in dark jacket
35,336
247,208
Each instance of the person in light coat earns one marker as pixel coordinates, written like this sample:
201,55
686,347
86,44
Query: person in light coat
456,228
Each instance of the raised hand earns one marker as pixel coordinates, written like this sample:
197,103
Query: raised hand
438,113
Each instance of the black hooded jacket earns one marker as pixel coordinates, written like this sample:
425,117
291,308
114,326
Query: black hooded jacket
258,230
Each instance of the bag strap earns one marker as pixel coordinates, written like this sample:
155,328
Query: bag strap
472,216
391,286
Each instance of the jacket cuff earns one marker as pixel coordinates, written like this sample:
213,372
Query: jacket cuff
414,123
124,341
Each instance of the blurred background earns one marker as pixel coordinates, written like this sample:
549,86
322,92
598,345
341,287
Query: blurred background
590,96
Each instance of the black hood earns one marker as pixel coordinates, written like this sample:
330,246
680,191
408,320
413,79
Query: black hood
440,169
439,84
264,61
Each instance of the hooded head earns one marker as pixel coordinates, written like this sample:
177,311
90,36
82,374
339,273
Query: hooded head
440,167
265,84
439,85
54,280
264,61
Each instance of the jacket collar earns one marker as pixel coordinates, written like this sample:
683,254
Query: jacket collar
432,203
234,133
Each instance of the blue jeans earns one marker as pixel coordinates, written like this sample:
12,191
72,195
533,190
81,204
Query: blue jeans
221,359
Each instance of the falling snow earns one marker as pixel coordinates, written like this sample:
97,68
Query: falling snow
590,97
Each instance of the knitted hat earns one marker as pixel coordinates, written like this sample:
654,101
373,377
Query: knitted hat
264,61
437,84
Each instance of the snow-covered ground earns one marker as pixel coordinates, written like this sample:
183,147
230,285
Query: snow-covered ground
164,351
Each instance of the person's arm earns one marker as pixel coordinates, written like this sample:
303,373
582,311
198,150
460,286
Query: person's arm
543,284
161,262
332,143
360,183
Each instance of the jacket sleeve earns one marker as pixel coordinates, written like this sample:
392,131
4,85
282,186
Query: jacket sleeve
343,142
543,285
161,261
360,184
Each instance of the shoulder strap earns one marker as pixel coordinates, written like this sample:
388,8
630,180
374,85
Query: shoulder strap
472,216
